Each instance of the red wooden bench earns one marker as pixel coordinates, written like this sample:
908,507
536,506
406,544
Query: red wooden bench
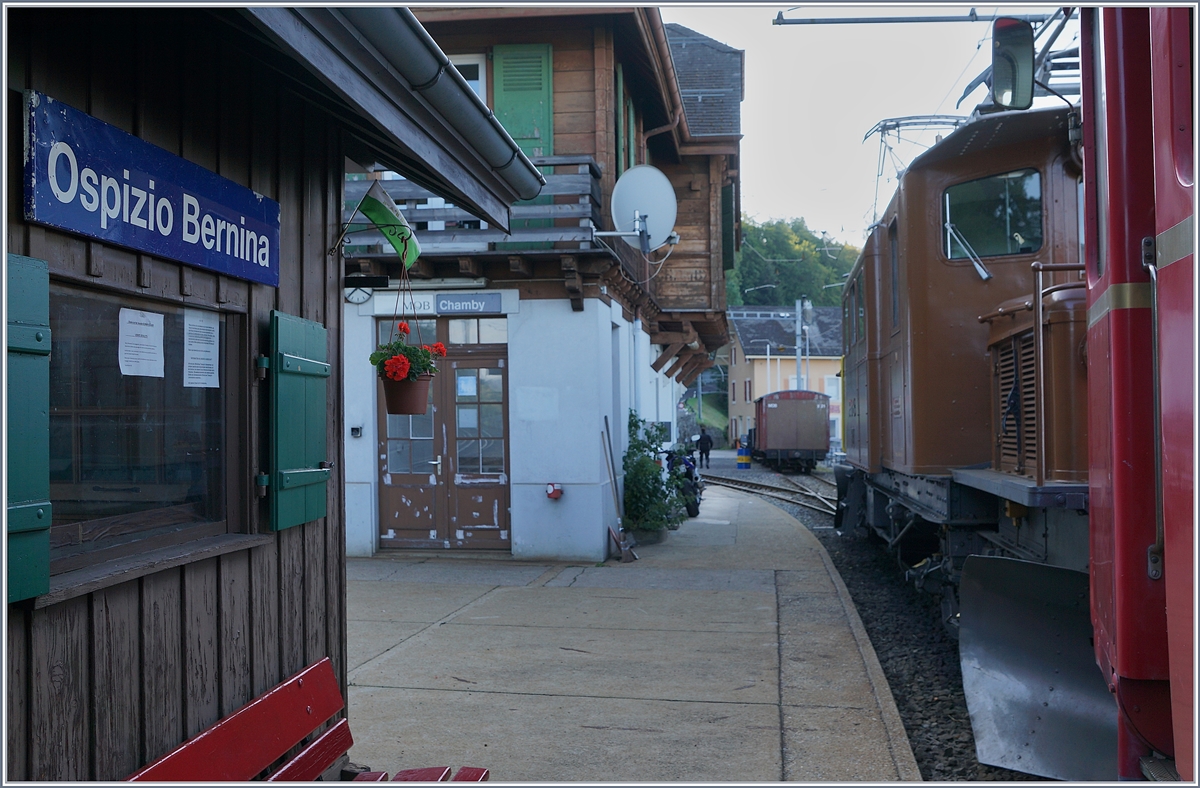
246,743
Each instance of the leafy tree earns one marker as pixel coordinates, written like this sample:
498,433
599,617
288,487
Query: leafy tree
786,254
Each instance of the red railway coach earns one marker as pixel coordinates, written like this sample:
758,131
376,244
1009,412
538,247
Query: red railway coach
1139,239
1174,267
1136,111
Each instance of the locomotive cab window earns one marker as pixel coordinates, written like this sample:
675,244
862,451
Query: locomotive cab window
993,216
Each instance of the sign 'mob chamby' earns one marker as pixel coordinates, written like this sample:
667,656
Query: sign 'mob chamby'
88,177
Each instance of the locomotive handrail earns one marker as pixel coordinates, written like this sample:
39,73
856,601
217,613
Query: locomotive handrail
1063,286
1001,312
1058,267
1154,553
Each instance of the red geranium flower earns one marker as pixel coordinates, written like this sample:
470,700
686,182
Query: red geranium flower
402,327
439,348
397,367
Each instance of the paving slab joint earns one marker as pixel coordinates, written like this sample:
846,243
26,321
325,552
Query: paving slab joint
901,748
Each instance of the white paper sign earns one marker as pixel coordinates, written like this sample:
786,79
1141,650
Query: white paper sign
201,349
140,343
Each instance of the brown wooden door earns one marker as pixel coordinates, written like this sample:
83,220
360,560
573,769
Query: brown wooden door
444,474
411,505
477,440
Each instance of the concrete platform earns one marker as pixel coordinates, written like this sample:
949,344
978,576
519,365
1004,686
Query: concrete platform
730,652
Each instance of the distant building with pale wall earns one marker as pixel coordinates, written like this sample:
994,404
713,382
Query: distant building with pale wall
753,328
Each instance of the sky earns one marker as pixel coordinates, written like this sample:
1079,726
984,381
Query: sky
814,91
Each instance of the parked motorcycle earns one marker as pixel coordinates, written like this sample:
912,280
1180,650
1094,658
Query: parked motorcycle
692,487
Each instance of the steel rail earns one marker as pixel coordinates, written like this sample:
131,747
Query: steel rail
809,491
771,491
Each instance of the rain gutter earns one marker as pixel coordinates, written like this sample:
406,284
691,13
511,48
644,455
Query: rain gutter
397,35
384,65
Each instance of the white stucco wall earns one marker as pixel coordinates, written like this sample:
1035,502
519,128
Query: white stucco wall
361,455
560,389
567,371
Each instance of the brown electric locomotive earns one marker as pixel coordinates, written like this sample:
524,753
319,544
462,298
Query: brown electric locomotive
1019,360
966,428
960,437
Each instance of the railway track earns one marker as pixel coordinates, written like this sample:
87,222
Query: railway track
797,493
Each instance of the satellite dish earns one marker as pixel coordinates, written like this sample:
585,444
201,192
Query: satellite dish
644,199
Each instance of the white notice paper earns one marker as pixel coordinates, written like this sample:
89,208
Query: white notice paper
140,343
201,349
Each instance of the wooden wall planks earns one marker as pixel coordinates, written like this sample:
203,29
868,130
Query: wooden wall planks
291,600
107,681
264,618
61,697
233,655
161,720
116,645
201,707
16,748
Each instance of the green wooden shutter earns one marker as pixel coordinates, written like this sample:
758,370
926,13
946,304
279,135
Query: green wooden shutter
299,371
522,98
522,95
631,133
29,513
619,113
728,228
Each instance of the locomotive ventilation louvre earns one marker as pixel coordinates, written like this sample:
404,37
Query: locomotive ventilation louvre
1016,381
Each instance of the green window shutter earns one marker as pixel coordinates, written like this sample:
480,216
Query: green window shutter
631,133
522,95
727,228
522,98
29,514
619,112
299,372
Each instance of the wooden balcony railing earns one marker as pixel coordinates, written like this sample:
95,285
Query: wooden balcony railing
557,220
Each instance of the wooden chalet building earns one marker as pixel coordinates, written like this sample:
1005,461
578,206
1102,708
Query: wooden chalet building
176,524
567,332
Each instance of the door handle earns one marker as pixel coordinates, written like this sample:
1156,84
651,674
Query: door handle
438,463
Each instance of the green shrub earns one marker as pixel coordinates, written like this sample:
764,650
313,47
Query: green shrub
652,499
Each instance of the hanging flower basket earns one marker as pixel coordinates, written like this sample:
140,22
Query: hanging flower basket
406,397
405,371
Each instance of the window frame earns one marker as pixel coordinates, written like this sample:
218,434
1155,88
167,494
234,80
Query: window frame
474,59
233,472
944,218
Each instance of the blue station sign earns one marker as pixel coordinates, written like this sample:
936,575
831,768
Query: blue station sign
468,304
88,177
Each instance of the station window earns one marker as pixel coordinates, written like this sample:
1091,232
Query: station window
997,215
138,399
421,332
479,424
410,441
478,331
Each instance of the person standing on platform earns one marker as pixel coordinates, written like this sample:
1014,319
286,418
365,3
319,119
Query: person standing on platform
704,446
